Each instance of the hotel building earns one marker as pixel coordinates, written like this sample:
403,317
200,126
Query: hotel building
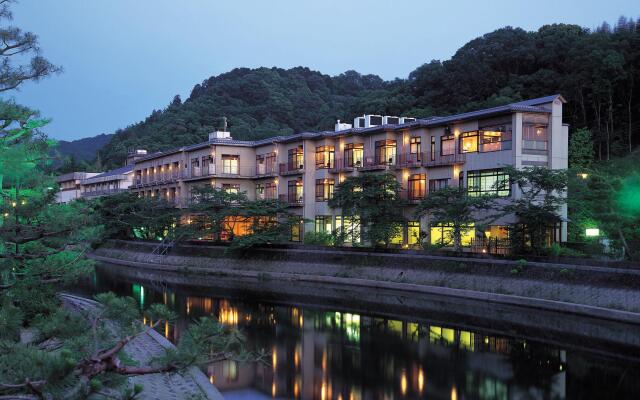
468,149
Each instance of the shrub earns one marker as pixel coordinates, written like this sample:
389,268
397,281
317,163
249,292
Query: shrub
556,250
319,238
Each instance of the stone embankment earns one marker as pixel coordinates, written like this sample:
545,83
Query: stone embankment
603,292
189,384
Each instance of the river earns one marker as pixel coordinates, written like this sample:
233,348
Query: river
328,350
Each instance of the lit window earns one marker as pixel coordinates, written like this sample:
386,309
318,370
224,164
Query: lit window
324,189
469,142
417,186
413,233
324,224
442,235
325,157
230,164
353,154
385,152
491,182
534,137
447,145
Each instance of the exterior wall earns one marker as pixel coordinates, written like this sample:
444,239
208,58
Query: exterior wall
432,163
69,186
98,187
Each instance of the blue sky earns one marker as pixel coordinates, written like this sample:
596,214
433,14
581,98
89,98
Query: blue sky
123,58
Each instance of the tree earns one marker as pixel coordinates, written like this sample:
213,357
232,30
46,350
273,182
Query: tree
128,216
75,355
455,208
373,200
537,208
581,150
219,213
20,53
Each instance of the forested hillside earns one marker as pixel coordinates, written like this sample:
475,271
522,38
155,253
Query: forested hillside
598,72
83,149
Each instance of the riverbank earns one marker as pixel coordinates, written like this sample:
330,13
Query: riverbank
191,383
606,293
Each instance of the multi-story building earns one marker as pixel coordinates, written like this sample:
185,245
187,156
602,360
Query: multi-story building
70,185
107,183
468,149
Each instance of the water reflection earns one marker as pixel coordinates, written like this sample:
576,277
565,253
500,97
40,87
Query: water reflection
335,354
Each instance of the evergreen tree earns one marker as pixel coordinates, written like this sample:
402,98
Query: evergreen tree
581,150
373,201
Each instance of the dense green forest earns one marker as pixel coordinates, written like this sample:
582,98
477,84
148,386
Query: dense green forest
597,71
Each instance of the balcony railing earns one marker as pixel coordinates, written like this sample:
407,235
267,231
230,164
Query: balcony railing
292,200
371,163
413,160
266,170
103,192
340,165
165,177
437,159
291,169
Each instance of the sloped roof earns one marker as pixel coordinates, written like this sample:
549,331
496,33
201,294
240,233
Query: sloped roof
531,105
109,174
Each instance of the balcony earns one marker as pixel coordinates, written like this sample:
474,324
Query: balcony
436,159
263,170
102,192
290,169
228,171
158,179
410,160
373,164
292,200
340,165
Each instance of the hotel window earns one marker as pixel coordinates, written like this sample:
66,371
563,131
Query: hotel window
295,158
231,188
415,148
296,232
534,137
469,142
386,152
270,161
491,182
325,157
353,154
230,164
437,184
324,224
195,167
417,186
447,145
270,190
413,233
261,168
442,235
208,167
324,189
432,155
260,194
348,228
495,138
398,237
294,191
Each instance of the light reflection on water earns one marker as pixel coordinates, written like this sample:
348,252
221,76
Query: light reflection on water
338,355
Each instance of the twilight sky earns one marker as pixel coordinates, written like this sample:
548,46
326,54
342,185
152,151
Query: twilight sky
123,58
